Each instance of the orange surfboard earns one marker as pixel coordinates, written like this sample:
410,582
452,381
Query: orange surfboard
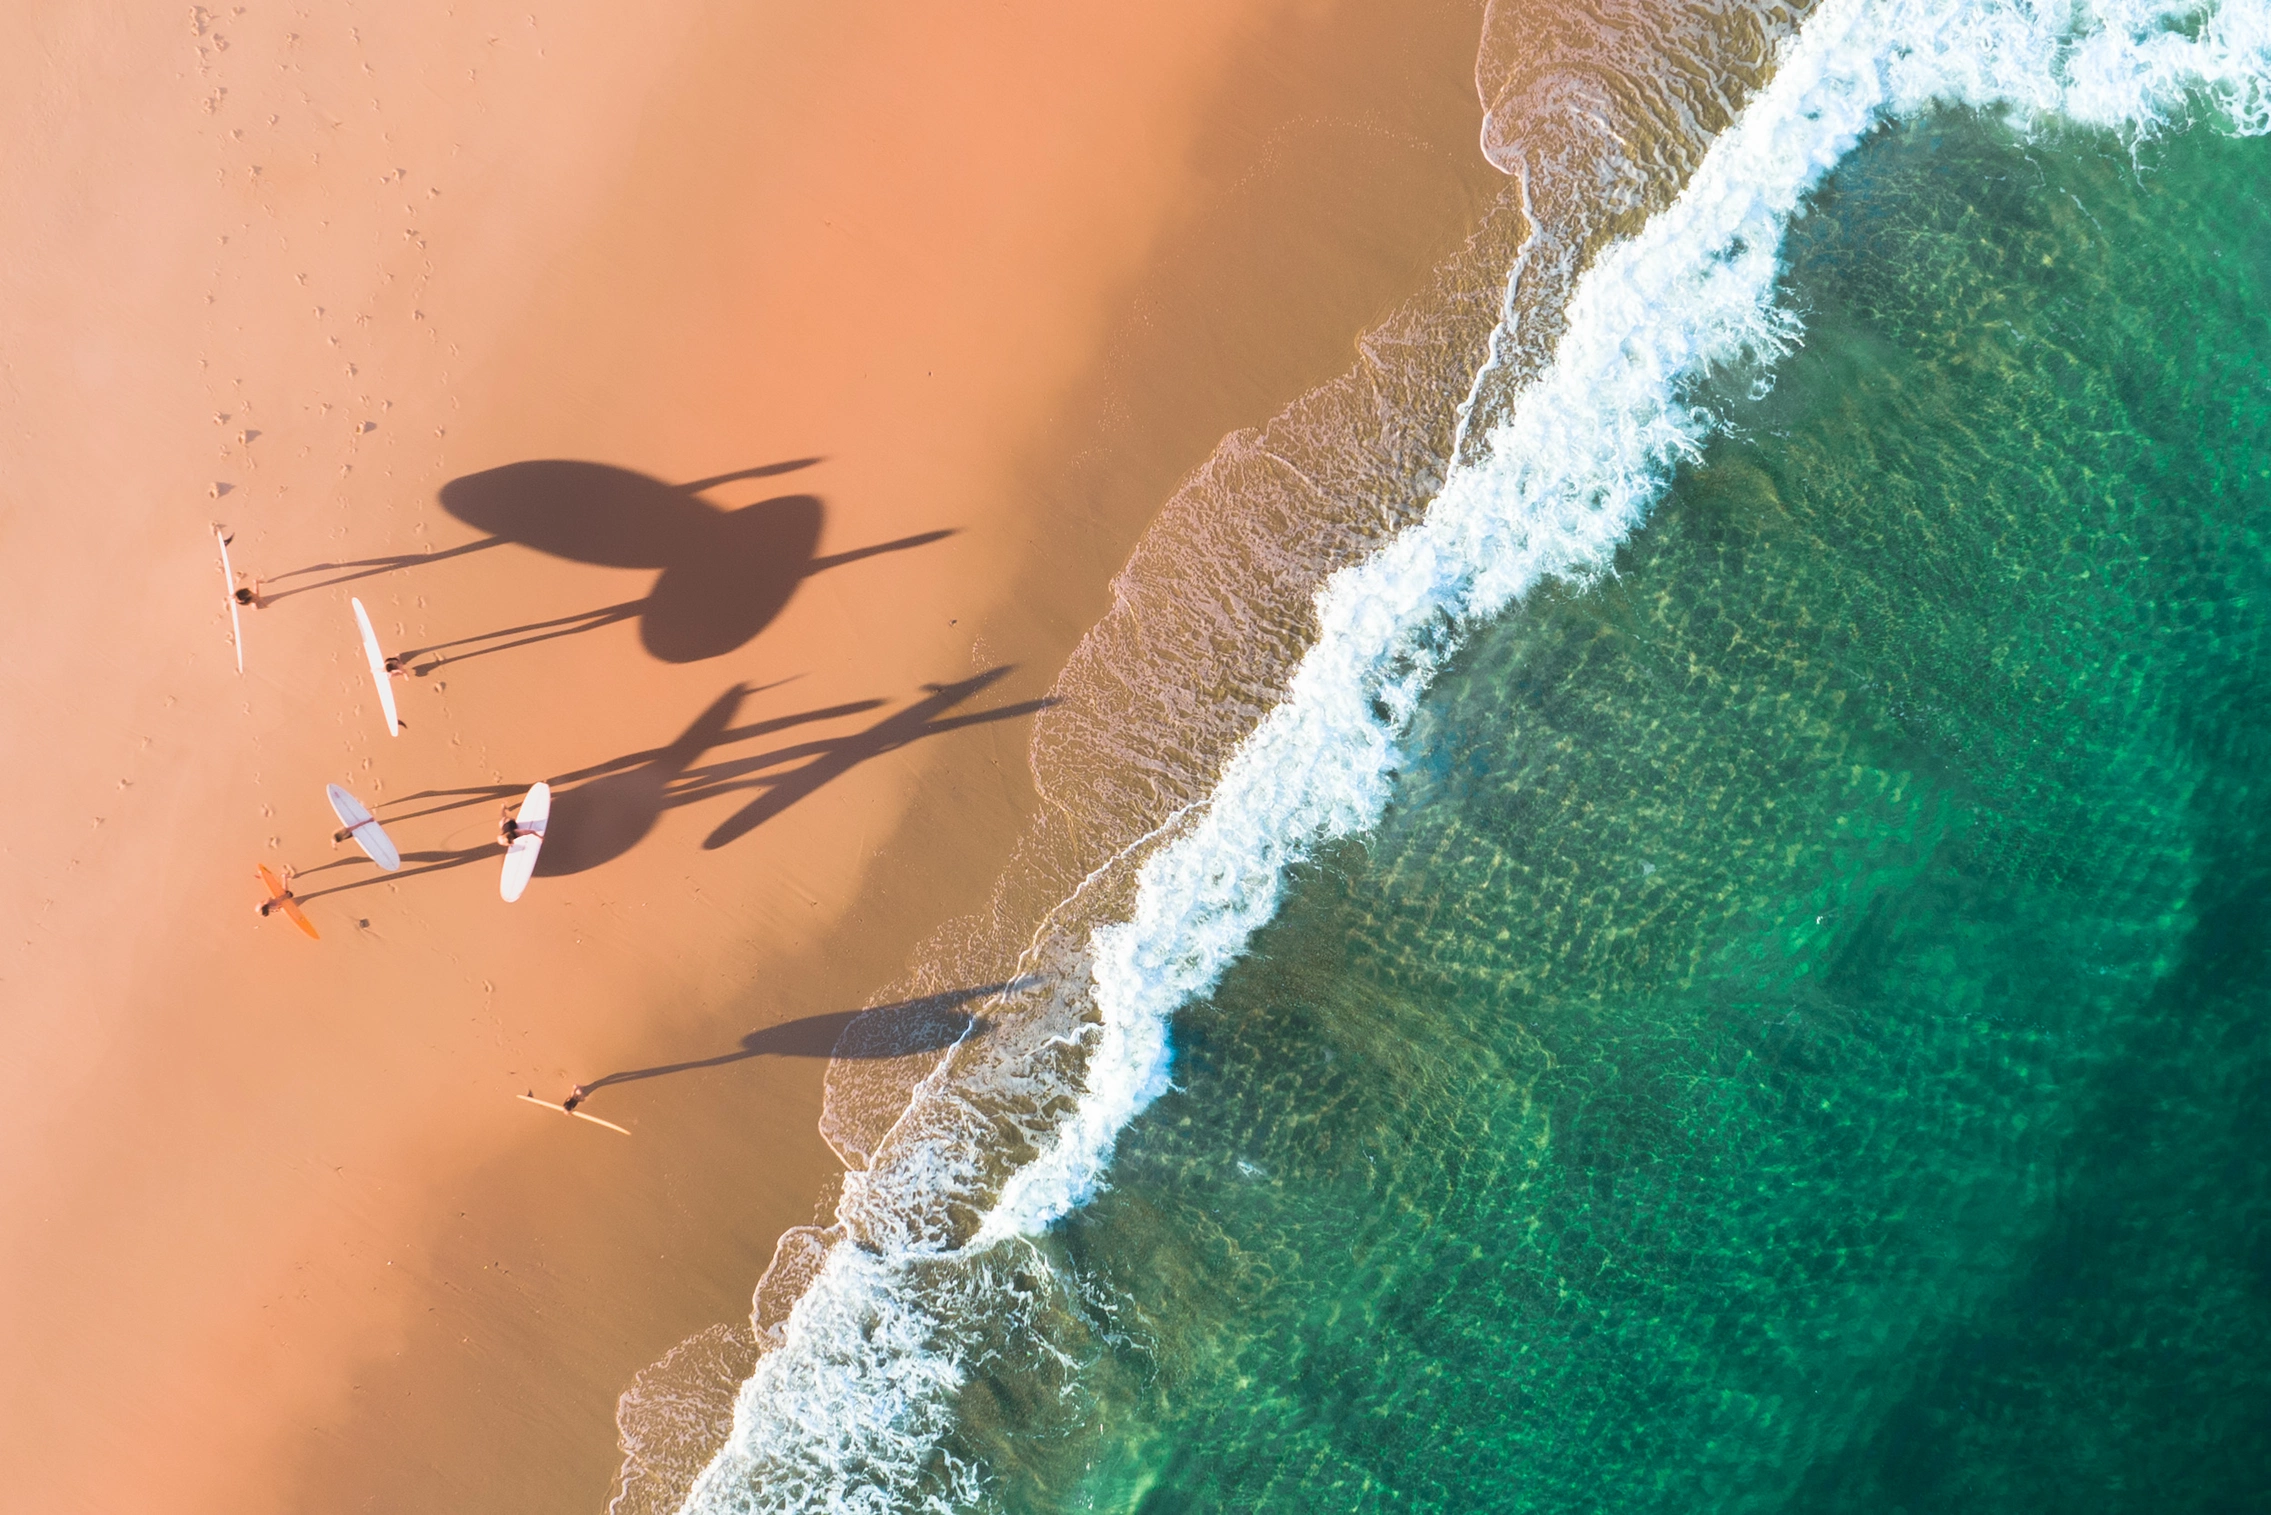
290,907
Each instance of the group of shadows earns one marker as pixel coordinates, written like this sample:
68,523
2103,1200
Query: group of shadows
603,811
724,575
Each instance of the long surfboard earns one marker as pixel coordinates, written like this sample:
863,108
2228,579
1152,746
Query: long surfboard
229,582
520,857
364,828
284,901
564,1110
378,666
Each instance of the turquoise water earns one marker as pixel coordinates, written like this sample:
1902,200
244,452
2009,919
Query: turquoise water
1798,1039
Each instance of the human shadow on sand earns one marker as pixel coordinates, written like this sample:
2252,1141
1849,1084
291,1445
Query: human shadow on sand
610,809
831,759
599,820
442,801
602,811
602,818
932,1023
428,862
364,568
724,573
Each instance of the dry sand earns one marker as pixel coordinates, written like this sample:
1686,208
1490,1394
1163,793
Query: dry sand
273,1232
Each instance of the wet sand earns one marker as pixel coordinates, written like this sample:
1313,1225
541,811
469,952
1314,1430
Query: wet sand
276,1234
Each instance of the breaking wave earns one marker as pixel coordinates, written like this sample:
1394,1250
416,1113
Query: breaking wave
932,1273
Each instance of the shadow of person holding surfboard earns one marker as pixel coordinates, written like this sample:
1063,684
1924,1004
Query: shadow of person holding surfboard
441,861
600,820
724,574
364,568
602,811
830,759
931,1023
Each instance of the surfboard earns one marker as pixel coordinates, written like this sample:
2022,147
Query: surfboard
364,828
564,1110
290,908
520,857
378,667
229,582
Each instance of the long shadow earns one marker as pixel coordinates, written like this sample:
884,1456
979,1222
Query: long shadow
602,811
607,815
831,759
538,631
435,862
602,818
929,1024
476,794
607,615
372,567
724,573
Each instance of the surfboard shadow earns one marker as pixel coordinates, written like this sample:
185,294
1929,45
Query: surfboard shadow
929,1024
724,574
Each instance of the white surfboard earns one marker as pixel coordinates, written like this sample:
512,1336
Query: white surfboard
364,828
520,857
229,581
378,667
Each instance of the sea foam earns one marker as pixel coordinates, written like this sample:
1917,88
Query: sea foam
853,1410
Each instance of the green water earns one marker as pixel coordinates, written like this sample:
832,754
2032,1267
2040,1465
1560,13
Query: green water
1799,1040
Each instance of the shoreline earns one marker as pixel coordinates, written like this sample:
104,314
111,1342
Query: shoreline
244,1299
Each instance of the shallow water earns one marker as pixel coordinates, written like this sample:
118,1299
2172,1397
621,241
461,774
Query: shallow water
1797,1039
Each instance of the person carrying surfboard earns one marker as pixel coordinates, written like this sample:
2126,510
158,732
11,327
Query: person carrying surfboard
509,828
520,831
362,828
280,897
384,670
247,595
569,1109
280,890
237,601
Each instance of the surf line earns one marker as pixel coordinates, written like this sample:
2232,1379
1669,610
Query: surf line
860,1389
1574,469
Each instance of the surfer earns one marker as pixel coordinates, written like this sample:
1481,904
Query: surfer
568,1108
575,1098
280,895
510,830
398,667
248,595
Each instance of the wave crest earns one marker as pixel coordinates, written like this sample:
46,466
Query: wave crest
867,1401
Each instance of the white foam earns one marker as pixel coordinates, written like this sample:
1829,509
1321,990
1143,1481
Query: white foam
848,1413
1575,467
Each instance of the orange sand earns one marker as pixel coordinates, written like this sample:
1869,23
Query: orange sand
273,1232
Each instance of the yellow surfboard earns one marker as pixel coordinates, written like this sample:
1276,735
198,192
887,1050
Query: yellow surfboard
564,1110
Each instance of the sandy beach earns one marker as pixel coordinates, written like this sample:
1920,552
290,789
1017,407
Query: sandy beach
736,416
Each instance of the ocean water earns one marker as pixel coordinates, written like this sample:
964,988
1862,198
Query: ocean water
1798,1038
1727,973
